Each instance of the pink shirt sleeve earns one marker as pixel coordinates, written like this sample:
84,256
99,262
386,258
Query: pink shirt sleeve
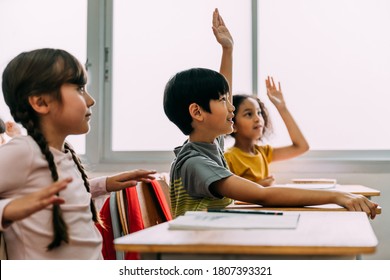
11,179
3,203
98,186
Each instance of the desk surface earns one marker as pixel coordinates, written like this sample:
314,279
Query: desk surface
322,207
355,189
317,233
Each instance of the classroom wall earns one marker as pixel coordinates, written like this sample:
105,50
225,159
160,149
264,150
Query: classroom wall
379,181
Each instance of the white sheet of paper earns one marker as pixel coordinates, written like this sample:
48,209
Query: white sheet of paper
211,221
307,186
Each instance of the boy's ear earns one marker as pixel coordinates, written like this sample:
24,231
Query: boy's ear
195,112
39,103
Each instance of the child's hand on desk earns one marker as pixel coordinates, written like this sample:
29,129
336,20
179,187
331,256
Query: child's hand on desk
127,179
360,203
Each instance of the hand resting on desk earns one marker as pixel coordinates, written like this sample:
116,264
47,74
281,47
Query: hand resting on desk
238,188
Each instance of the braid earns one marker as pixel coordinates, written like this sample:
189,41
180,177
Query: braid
59,226
36,73
76,159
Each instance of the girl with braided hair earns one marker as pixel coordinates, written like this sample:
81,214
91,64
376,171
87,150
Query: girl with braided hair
45,91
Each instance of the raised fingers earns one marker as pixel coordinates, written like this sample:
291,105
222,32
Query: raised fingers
216,18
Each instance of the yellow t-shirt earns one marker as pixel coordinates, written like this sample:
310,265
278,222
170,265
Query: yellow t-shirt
251,167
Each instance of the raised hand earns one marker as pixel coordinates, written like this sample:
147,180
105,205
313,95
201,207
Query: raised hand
127,179
274,94
221,32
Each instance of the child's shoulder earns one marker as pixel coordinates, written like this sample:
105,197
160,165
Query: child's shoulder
20,147
263,147
234,151
19,140
265,150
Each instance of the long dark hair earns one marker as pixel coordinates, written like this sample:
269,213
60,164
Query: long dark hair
34,73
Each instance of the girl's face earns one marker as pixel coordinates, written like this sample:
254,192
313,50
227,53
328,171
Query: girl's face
72,115
249,123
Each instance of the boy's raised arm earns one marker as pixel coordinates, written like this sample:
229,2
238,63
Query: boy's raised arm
224,37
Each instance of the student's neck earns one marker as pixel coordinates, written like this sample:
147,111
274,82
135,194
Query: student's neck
56,144
199,137
247,146
54,140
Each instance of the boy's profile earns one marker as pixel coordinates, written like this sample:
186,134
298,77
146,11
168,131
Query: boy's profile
197,101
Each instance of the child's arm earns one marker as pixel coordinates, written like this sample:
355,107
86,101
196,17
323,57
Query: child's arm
299,143
106,184
22,207
128,179
241,189
224,37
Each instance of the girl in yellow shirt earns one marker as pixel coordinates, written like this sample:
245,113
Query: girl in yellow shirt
251,121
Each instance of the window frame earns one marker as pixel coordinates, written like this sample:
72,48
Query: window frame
101,158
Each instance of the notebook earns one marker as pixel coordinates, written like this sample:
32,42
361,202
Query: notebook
310,183
308,186
198,220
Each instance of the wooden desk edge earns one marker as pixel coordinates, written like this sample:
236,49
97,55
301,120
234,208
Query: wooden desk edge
245,250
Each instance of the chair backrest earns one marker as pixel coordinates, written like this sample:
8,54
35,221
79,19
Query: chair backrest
151,207
165,188
133,209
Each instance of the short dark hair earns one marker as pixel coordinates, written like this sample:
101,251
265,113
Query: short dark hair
196,85
239,98
2,126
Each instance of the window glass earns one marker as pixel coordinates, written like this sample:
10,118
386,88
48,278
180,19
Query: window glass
26,25
333,61
152,40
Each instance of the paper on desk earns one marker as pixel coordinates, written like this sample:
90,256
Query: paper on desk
314,186
209,221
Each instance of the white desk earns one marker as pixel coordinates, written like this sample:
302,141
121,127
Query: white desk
319,235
